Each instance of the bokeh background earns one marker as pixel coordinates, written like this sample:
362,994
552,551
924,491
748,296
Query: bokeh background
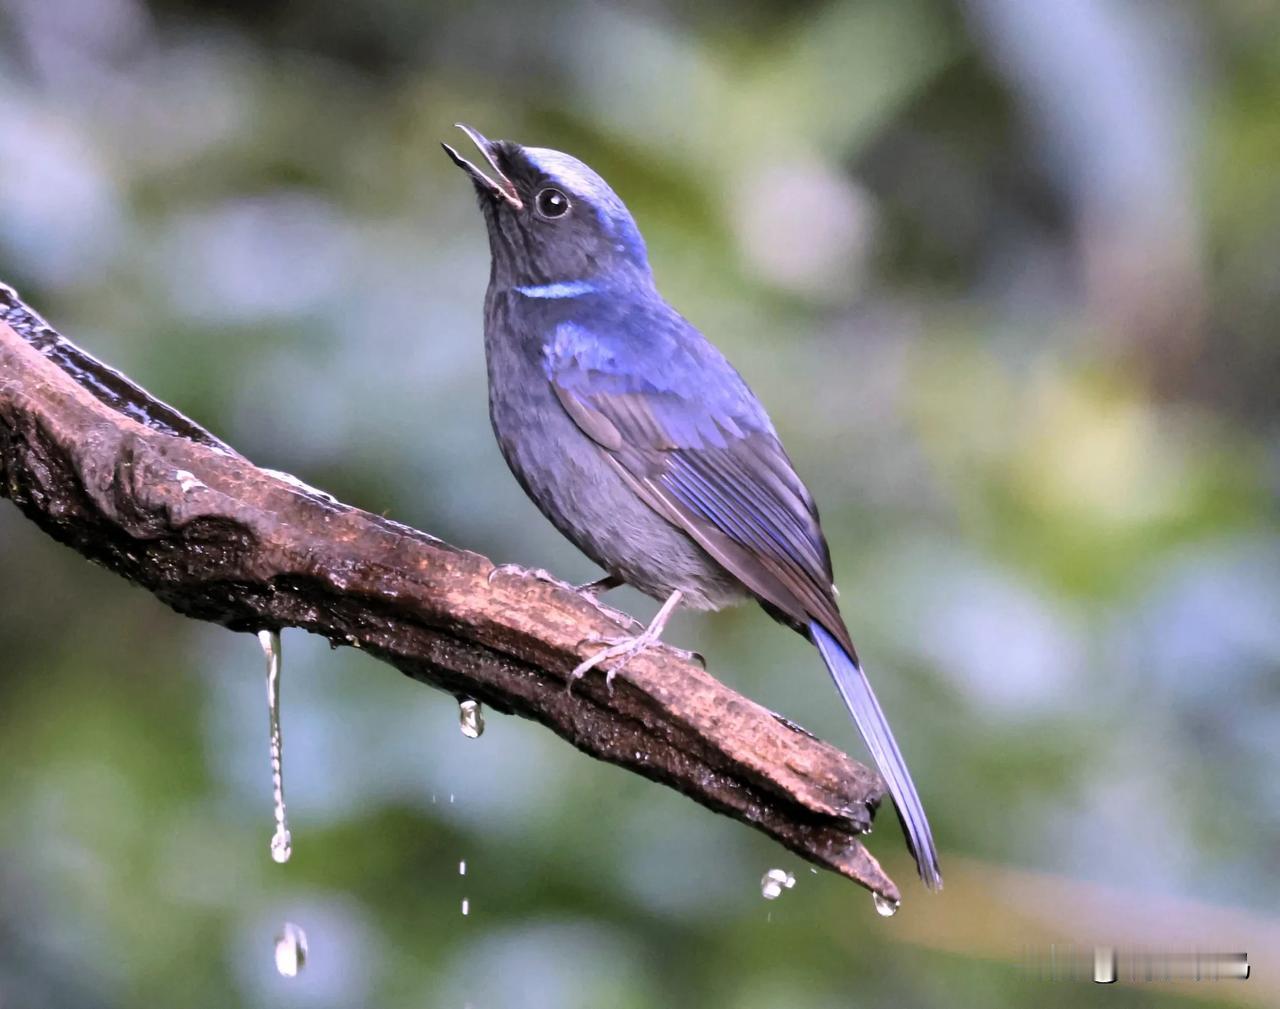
1006,275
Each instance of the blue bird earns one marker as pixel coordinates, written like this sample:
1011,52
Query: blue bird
640,442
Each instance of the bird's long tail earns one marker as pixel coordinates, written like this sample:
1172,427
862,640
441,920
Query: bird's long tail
865,709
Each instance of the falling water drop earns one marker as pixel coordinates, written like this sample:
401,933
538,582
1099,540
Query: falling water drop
462,867
466,906
291,950
885,907
281,841
471,718
773,882
281,846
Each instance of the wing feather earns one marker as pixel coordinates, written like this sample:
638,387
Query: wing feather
708,460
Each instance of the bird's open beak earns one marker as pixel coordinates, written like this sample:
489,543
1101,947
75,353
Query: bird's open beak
500,187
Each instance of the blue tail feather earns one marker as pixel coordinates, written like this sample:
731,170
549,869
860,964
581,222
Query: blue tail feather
865,709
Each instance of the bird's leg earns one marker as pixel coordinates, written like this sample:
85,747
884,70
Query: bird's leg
601,585
625,648
593,591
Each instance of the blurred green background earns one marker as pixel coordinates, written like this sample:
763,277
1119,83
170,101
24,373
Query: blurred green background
1006,275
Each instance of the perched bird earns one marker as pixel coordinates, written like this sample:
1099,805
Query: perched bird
640,442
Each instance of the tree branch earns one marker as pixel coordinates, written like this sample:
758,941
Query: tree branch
131,484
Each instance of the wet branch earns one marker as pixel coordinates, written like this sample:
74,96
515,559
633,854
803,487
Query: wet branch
131,484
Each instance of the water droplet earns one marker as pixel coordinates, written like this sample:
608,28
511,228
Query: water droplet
471,718
281,845
450,798
466,906
291,950
885,907
773,882
462,867
281,841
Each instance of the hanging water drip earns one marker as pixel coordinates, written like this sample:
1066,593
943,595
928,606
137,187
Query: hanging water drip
281,841
773,882
291,950
885,907
471,718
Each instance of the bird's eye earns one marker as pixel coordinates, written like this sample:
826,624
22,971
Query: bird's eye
552,203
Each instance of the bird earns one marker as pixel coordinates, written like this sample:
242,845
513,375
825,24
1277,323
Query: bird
640,442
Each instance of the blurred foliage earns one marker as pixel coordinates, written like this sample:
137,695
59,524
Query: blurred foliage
1005,276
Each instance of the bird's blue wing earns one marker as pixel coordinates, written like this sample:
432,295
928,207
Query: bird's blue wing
691,438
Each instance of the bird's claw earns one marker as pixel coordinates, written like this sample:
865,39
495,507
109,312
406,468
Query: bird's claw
690,656
502,569
615,648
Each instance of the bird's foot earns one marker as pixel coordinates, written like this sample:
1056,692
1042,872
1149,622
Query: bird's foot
685,654
538,573
589,590
624,648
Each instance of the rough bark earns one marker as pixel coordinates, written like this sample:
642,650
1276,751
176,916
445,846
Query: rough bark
133,485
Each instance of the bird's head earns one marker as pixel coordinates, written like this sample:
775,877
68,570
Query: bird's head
551,219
